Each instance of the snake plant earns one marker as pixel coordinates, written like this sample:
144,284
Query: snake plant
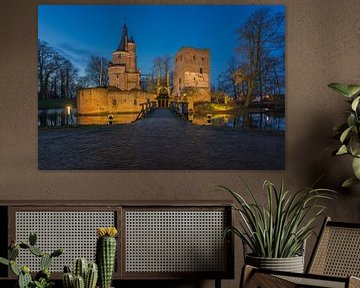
279,228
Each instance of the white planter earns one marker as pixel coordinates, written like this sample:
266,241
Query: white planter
291,264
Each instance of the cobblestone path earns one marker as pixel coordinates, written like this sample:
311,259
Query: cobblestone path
162,141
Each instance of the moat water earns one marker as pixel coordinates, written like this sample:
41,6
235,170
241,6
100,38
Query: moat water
265,120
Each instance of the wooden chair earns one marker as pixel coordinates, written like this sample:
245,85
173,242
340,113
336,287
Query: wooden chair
334,263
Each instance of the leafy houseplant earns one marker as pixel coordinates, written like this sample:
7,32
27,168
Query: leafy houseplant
42,278
279,229
349,132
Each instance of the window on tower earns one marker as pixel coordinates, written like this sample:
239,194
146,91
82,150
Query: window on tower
201,71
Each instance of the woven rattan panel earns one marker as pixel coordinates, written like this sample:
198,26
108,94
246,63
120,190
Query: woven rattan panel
175,241
338,253
312,282
75,231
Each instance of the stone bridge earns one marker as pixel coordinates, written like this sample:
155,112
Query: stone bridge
162,141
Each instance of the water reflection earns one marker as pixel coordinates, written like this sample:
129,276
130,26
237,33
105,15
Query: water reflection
261,120
68,117
57,117
112,119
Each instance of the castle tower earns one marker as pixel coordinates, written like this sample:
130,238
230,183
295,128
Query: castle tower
192,72
123,72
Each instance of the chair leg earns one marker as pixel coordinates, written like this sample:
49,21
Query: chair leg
246,273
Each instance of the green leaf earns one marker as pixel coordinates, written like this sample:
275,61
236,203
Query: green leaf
342,150
354,146
355,103
341,89
353,89
14,268
351,120
356,167
345,134
349,182
4,261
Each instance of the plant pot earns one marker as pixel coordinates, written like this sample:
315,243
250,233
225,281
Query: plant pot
291,264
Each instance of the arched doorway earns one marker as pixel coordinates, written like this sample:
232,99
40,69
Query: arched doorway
163,97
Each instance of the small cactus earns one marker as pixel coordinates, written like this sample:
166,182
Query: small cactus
91,276
106,254
68,280
80,268
24,280
84,274
32,238
79,282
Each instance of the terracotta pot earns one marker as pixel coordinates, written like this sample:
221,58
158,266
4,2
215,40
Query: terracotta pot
291,264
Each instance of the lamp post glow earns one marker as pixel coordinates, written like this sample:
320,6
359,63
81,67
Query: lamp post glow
68,109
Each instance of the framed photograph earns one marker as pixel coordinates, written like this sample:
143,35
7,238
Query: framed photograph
161,87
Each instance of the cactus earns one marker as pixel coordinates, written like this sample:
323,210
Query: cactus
45,261
32,238
79,282
42,278
91,276
13,253
88,273
105,254
36,251
24,280
68,280
44,273
14,268
80,268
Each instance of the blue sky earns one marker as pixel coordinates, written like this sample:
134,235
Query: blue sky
78,31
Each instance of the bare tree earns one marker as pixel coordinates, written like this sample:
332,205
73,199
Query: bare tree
162,69
48,63
56,74
96,72
260,38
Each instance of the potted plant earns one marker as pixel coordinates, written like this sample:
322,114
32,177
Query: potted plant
349,132
276,233
42,278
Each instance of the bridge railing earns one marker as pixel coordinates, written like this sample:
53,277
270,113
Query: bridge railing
146,109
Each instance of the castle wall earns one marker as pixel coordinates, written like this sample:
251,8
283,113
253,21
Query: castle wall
128,101
192,70
94,101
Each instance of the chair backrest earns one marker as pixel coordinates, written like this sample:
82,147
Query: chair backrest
337,251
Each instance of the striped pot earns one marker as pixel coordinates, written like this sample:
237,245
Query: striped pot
291,264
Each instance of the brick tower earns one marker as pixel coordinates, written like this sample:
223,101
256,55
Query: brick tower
123,72
192,71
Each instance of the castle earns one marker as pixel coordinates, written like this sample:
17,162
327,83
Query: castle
124,95
123,72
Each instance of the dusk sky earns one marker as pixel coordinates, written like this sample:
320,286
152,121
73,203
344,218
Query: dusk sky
78,31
